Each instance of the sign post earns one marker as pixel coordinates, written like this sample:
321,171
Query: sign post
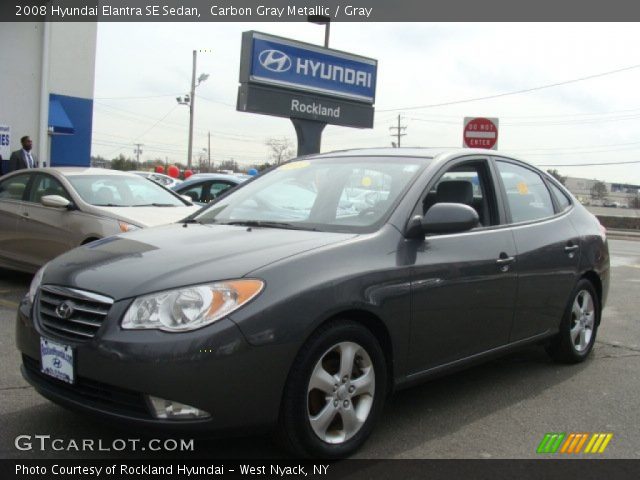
311,85
480,132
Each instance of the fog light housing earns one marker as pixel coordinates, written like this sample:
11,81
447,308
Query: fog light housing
171,410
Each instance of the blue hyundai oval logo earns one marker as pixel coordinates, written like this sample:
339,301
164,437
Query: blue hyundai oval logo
275,60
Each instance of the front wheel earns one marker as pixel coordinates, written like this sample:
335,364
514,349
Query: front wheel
579,326
335,391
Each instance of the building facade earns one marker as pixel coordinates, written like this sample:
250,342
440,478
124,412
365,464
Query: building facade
46,90
617,193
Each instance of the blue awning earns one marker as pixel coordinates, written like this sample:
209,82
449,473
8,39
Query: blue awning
59,123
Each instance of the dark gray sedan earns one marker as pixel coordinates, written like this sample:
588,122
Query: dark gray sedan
304,298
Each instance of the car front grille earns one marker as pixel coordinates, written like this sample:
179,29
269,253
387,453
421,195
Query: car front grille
72,313
89,392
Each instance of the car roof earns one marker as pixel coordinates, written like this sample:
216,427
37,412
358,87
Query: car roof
440,154
213,176
72,171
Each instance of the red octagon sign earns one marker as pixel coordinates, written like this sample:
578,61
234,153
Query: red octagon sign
480,132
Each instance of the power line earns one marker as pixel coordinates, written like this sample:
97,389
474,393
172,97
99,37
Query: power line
590,164
515,92
136,98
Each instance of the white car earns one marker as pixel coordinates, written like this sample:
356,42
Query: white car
160,178
46,211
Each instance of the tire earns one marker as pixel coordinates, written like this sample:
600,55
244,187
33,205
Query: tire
579,325
328,410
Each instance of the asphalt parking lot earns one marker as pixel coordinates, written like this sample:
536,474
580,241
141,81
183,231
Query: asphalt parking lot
498,410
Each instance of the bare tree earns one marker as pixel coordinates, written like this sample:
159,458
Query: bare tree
599,191
555,174
280,149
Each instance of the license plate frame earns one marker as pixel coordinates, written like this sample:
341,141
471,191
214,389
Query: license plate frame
57,360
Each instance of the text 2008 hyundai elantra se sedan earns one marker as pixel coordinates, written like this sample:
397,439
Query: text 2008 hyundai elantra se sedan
303,298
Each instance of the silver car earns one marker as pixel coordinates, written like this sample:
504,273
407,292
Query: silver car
47,211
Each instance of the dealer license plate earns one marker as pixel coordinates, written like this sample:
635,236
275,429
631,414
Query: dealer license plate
56,360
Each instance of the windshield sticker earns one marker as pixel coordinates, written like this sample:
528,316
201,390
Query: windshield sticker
522,188
366,181
294,165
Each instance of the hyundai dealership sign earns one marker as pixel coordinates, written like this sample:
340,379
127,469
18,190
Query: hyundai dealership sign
284,77
300,66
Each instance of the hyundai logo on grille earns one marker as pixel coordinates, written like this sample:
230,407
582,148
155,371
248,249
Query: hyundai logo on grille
64,310
275,60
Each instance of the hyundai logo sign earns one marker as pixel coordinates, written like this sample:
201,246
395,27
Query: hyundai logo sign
64,310
298,66
275,60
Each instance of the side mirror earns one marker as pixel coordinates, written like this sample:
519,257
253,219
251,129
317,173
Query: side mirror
187,198
444,218
55,201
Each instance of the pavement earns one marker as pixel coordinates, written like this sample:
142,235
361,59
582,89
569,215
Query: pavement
501,409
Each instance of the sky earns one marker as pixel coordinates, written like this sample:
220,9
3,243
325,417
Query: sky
142,67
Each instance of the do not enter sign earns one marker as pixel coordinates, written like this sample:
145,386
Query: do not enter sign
480,132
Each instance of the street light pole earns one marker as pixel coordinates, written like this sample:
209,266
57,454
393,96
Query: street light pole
191,109
322,20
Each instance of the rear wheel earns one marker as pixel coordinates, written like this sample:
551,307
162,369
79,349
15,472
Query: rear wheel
335,392
579,325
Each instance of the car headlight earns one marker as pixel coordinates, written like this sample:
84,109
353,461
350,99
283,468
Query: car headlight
35,283
189,308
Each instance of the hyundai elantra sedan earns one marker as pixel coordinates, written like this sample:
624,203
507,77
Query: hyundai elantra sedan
302,299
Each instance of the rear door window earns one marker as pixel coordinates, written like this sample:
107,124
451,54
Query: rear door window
561,197
527,195
14,188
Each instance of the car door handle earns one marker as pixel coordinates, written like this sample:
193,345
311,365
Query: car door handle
571,248
505,260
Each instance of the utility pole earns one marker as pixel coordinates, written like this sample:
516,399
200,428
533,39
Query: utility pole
209,152
189,100
399,129
192,98
138,152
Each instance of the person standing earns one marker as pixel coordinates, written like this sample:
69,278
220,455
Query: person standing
23,158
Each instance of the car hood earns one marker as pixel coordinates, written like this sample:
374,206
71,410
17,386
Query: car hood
175,255
148,216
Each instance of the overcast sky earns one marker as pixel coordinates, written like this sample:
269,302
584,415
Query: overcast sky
141,68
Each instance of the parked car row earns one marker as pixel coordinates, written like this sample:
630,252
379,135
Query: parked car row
324,284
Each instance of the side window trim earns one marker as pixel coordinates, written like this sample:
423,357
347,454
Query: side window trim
549,181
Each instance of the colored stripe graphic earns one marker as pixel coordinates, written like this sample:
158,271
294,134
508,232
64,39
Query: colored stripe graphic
550,442
573,443
598,442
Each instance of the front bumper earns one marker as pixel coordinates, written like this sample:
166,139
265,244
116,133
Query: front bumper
213,369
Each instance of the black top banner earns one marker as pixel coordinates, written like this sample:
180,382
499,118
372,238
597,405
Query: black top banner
300,10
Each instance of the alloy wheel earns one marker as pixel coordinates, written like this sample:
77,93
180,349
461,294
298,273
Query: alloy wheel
582,321
340,392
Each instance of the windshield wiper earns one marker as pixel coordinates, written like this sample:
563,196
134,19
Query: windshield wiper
267,224
155,205
108,205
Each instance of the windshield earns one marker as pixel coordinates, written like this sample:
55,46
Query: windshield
333,194
122,191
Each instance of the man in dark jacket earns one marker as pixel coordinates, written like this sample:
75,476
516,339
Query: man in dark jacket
23,158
